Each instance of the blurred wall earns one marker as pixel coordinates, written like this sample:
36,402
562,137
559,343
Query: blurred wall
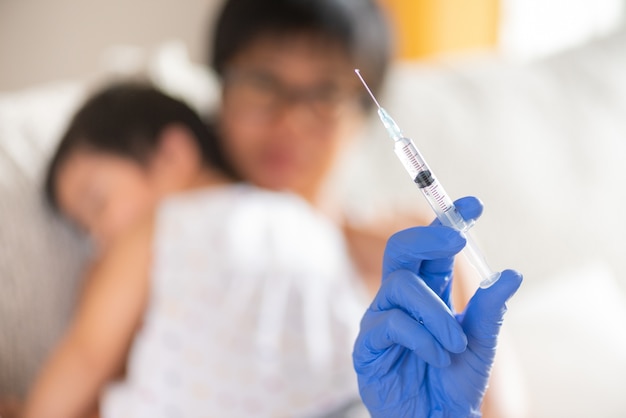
46,40
43,40
532,29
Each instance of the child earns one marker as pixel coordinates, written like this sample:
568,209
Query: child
207,298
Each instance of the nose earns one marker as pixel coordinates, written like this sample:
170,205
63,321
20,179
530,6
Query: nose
292,116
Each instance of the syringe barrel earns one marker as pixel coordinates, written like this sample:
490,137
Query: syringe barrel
443,206
422,175
475,257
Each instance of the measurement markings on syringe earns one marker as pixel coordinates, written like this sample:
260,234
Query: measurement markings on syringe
411,156
439,198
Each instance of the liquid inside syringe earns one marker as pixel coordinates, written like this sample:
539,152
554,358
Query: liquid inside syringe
437,198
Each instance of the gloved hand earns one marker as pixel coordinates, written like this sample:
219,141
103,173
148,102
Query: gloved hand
414,357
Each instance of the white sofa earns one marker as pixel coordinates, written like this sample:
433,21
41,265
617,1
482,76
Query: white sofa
542,144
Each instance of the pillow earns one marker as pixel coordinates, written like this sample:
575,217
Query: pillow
40,256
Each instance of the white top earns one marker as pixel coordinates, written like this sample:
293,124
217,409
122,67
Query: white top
253,312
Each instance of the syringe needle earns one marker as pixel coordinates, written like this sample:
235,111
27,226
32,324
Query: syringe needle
358,73
392,127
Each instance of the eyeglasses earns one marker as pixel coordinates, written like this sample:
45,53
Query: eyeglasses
260,95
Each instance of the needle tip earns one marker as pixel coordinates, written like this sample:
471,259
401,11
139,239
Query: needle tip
358,73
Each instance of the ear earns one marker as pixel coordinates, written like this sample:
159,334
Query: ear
177,159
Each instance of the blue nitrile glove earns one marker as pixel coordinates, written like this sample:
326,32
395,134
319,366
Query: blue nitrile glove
414,357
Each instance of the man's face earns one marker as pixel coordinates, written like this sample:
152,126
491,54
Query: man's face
289,105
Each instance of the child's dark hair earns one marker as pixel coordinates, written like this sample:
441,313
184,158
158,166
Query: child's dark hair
126,120
358,26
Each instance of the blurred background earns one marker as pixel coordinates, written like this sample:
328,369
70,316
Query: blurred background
50,40
519,102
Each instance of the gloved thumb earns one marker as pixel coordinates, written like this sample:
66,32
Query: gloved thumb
484,314
469,207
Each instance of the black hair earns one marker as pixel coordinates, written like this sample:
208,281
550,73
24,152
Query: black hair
358,26
126,119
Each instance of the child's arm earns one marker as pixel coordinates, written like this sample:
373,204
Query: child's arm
97,342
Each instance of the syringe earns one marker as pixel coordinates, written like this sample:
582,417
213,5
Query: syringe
436,196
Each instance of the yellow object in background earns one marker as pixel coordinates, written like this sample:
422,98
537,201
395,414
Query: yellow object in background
425,28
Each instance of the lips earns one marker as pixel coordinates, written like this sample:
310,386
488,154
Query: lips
279,159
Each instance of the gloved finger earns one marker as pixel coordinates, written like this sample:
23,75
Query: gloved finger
405,290
383,330
469,207
409,248
485,311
